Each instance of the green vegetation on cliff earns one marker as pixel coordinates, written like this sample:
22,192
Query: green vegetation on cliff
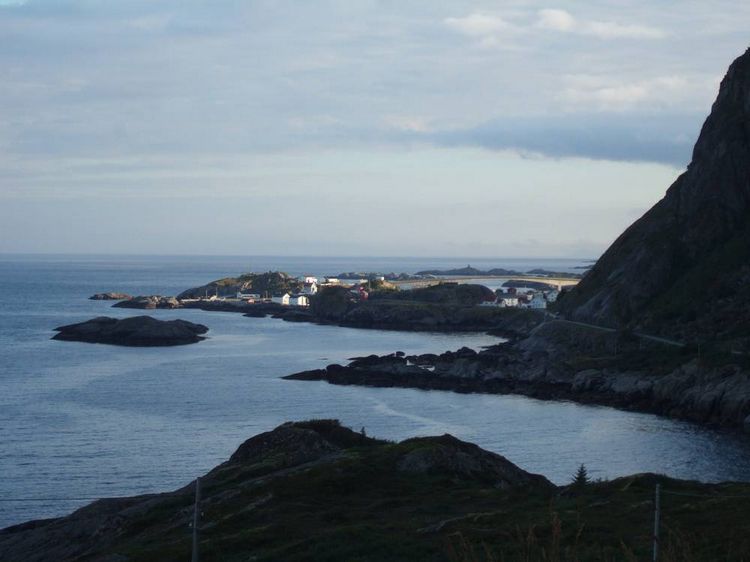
268,283
463,294
447,306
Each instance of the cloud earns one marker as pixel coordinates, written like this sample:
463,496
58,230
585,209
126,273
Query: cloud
182,76
203,101
407,123
614,30
558,20
660,137
591,92
491,31
488,31
477,24
563,21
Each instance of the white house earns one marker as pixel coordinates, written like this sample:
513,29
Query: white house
299,300
310,280
507,300
281,299
247,296
538,301
310,288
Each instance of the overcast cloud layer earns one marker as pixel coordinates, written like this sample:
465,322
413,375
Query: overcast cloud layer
110,101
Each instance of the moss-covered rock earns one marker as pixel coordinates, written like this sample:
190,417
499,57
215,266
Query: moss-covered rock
264,284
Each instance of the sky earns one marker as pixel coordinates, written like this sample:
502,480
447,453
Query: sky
353,128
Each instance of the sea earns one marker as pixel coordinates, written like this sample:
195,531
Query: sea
82,421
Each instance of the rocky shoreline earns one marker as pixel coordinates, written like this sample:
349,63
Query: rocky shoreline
548,360
541,367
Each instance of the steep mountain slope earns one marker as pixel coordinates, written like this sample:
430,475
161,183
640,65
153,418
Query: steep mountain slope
683,269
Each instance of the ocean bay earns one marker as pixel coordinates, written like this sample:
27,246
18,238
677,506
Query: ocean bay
84,420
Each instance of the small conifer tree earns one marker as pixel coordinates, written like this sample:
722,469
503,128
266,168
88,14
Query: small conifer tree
581,477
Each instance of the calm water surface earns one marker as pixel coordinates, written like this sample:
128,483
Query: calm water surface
82,420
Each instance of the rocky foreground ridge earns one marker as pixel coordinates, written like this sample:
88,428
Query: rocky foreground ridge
683,269
318,491
137,331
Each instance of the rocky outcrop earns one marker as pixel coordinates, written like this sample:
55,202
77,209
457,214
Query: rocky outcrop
298,443
718,396
562,362
110,297
149,302
459,459
138,331
683,268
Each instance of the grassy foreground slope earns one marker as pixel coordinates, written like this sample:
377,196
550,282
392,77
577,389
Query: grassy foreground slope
318,491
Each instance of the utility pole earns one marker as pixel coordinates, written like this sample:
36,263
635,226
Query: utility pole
196,518
657,515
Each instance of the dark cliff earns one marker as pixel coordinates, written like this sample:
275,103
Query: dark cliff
683,269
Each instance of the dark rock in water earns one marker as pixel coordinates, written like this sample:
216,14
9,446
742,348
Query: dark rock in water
297,316
149,302
428,359
257,312
110,297
683,269
139,331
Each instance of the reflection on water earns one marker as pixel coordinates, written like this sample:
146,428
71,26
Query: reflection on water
91,420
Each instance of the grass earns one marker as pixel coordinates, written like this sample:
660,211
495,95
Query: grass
359,506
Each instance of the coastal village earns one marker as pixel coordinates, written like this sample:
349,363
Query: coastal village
510,297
